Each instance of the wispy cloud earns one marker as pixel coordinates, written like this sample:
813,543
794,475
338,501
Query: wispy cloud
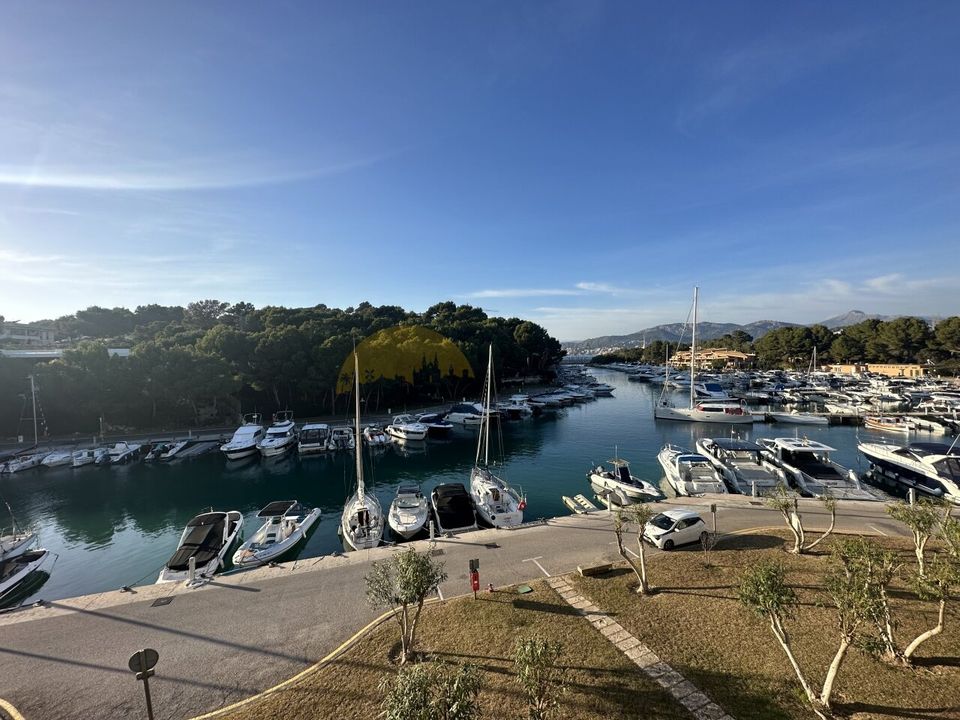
522,293
165,178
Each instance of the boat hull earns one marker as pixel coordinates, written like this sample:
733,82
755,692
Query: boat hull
239,453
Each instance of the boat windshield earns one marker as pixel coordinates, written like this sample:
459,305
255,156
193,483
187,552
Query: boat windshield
949,468
408,503
662,521
278,433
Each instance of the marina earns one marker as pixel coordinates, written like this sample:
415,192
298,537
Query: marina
117,525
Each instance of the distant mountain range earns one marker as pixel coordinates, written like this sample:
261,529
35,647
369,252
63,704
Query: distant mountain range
709,331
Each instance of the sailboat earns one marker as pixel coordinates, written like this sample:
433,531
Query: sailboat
727,411
361,524
496,502
14,540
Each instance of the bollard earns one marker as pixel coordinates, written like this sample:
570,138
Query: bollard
753,488
192,566
433,530
912,496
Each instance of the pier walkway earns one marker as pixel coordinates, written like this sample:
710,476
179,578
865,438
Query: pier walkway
247,631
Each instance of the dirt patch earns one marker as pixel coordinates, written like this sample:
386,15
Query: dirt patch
695,623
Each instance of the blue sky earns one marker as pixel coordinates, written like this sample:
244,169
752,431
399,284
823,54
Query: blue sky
582,164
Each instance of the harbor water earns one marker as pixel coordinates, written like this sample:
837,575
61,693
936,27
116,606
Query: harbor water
115,526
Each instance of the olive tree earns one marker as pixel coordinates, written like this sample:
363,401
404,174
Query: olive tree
786,505
921,518
539,676
403,583
764,590
641,515
428,691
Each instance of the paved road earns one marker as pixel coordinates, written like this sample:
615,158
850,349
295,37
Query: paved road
247,631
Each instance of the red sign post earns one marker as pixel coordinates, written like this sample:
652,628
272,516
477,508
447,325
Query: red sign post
475,577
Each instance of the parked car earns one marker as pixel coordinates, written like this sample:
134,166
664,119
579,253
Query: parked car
671,528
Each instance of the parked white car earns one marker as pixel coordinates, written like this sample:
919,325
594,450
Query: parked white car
675,527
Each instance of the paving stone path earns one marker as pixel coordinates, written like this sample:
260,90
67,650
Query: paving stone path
684,691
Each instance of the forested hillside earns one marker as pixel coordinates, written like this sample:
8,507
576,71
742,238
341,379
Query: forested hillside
210,361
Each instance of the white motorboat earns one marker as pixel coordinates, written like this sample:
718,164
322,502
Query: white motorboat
798,418
207,539
465,414
314,438
931,468
85,457
281,436
361,524
404,427
165,451
58,458
810,469
123,452
690,473
742,465
409,512
374,436
286,524
624,487
14,570
22,462
341,438
245,438
453,508
437,426
496,502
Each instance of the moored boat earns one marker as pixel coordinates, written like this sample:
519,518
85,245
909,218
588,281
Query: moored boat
281,436
286,524
409,512
810,469
453,508
895,424
621,484
690,473
16,569
404,427
314,438
243,444
207,539
931,468
374,436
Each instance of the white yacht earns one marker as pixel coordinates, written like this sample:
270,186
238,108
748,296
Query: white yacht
286,524
81,458
22,462
931,468
361,524
207,539
341,438
810,469
690,473
245,438
465,414
123,452
621,485
743,465
314,438
409,512
281,436
794,417
58,458
404,427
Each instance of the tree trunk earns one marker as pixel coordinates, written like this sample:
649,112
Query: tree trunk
923,637
641,588
797,540
833,522
645,589
833,670
920,543
781,634
413,626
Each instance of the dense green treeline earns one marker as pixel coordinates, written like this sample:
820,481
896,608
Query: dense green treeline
902,340
210,361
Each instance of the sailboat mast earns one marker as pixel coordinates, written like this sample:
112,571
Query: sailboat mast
693,346
359,438
33,394
486,436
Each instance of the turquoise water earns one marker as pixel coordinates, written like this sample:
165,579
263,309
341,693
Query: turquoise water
116,526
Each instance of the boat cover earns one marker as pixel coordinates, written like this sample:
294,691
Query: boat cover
735,444
203,541
453,505
277,508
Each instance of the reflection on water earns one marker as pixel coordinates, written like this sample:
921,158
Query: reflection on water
117,526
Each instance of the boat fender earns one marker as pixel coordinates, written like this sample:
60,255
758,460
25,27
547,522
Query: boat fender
522,505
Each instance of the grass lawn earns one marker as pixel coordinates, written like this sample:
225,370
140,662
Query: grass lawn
695,623
601,682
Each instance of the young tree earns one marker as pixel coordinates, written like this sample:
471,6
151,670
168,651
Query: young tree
764,590
936,585
787,506
641,515
432,692
922,518
539,676
403,582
